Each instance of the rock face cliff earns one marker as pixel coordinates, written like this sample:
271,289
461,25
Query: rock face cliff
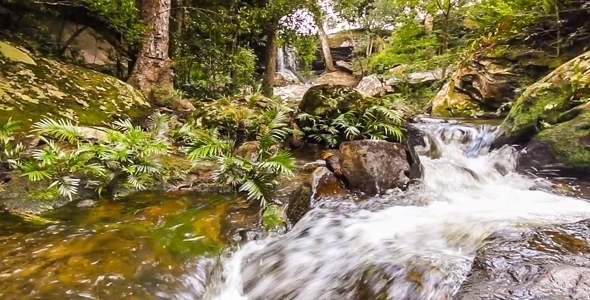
32,86
497,74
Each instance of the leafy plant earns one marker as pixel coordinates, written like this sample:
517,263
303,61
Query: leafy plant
254,167
123,154
366,121
8,150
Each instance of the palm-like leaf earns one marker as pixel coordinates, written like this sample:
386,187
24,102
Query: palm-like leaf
62,129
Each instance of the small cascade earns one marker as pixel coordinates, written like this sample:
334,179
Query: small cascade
281,60
418,243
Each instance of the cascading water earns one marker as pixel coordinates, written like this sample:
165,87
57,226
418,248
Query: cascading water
423,239
281,60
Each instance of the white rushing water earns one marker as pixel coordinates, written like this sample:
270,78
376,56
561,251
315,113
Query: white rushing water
432,230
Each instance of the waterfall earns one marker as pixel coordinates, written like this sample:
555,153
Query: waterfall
424,237
281,60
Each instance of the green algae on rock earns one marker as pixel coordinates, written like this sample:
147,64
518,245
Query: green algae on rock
32,87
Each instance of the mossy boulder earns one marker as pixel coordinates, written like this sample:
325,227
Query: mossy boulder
330,100
557,108
448,103
32,86
490,80
240,113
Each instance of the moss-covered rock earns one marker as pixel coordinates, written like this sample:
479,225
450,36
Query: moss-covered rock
32,86
330,100
241,113
488,81
557,108
448,103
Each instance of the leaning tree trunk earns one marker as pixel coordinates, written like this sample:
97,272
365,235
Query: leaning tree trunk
153,66
325,45
271,57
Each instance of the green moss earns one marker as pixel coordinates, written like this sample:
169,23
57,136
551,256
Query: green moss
15,54
272,218
45,194
569,141
61,90
538,103
331,100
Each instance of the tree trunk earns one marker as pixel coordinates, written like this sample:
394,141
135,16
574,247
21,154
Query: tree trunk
271,57
153,66
176,25
325,45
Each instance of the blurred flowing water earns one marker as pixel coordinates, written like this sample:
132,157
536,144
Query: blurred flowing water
422,240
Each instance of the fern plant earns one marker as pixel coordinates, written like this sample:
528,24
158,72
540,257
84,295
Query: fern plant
8,150
255,174
127,155
365,121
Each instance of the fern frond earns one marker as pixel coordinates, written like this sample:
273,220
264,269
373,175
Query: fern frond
62,129
159,124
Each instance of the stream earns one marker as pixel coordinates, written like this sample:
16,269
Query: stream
189,246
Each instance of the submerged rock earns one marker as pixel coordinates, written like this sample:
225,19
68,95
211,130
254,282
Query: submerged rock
550,262
373,166
321,184
32,87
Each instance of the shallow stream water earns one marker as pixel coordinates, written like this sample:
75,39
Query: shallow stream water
189,246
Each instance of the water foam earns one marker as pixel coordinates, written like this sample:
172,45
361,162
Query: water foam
432,228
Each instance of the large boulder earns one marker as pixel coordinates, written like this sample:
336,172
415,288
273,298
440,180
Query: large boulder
322,184
371,85
330,100
543,263
338,77
489,82
449,103
32,87
556,110
373,166
285,78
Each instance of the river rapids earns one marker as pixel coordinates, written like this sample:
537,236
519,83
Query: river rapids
424,239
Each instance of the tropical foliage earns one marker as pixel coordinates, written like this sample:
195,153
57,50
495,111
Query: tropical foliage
123,154
375,120
252,168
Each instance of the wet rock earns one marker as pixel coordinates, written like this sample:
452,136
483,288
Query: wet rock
371,85
550,262
391,281
330,100
373,167
5,177
321,184
556,109
86,203
339,78
534,157
449,103
285,79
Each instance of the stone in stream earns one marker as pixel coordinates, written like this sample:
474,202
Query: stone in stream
321,184
373,166
551,262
